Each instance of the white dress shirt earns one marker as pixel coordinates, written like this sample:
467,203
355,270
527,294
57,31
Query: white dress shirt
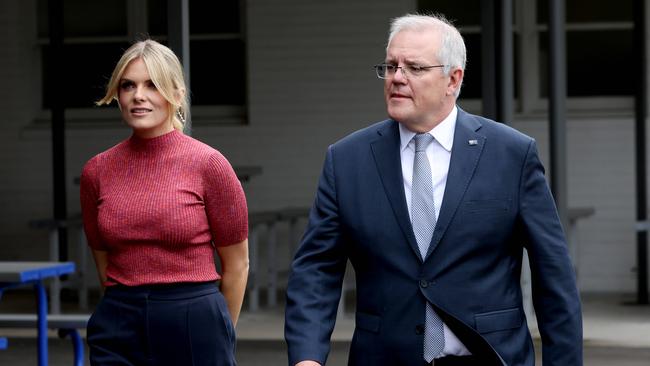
439,155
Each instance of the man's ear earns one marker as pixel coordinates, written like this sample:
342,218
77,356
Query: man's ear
455,79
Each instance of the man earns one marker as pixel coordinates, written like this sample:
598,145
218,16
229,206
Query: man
433,208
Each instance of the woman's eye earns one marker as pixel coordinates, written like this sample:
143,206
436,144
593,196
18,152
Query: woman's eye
126,85
151,85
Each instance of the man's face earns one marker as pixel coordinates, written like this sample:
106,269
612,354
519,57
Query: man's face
419,102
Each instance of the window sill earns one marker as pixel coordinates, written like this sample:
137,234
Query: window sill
577,108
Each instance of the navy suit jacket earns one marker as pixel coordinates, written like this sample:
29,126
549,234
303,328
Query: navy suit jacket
496,203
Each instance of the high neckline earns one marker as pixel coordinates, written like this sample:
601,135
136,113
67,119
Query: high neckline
158,142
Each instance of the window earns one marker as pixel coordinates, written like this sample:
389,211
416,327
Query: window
217,50
466,16
599,36
93,42
95,36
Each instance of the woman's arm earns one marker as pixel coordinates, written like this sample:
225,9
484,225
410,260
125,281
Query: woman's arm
234,268
101,261
89,196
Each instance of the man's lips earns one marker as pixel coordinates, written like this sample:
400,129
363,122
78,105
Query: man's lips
399,96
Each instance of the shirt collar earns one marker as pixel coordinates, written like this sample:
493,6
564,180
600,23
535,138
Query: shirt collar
443,132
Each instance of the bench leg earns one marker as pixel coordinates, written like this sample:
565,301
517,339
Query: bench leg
55,283
77,345
41,323
272,271
83,271
254,292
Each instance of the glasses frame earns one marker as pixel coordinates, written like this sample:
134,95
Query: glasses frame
404,73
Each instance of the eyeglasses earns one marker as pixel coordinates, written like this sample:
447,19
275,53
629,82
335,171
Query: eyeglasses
387,71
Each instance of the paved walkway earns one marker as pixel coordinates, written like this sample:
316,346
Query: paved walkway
613,321
607,322
615,334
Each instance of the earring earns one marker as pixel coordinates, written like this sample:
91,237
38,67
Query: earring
180,115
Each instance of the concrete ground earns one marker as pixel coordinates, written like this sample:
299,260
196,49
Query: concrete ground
614,334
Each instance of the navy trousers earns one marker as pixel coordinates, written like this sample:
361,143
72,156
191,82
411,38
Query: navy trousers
179,324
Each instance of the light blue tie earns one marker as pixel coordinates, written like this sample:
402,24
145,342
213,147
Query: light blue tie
423,215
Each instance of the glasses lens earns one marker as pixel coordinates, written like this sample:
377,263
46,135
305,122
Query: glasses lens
381,71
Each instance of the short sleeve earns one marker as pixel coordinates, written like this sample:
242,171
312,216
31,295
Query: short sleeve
89,196
225,202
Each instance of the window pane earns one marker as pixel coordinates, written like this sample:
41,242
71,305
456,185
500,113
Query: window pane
87,18
459,12
593,58
86,70
206,17
157,17
466,13
462,14
472,81
218,72
589,11
214,17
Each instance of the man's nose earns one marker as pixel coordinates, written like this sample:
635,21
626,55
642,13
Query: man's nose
399,76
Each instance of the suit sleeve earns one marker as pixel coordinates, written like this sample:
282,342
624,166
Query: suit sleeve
314,287
555,295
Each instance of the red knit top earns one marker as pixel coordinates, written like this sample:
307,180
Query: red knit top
159,207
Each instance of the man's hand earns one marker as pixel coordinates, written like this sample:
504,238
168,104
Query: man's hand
308,363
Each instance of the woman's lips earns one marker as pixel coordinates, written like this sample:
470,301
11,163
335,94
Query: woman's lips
140,111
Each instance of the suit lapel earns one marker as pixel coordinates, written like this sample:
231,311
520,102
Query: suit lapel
387,158
465,154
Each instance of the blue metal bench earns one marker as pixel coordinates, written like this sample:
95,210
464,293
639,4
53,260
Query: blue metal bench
66,324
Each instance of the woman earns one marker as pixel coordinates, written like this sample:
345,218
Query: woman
155,207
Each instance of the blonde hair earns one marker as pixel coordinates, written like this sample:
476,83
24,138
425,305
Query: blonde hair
166,74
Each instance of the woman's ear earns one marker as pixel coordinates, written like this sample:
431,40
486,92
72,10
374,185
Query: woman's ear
179,95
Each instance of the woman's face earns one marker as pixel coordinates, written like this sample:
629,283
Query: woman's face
144,109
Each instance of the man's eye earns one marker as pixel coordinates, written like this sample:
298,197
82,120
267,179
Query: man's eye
415,69
391,68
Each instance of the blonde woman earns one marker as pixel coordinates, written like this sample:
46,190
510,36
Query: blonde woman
155,207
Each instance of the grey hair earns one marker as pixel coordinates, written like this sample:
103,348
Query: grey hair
452,52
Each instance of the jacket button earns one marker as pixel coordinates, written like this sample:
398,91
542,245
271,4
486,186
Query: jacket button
419,329
424,283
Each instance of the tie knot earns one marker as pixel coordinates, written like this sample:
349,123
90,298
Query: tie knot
422,140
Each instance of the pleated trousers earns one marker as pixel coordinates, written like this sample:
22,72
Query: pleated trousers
177,324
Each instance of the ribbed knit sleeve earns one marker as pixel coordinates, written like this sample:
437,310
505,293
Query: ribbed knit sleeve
225,202
88,191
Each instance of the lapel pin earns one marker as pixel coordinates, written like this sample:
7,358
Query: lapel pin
472,142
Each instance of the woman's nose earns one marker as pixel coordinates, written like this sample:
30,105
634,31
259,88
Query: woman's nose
139,93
